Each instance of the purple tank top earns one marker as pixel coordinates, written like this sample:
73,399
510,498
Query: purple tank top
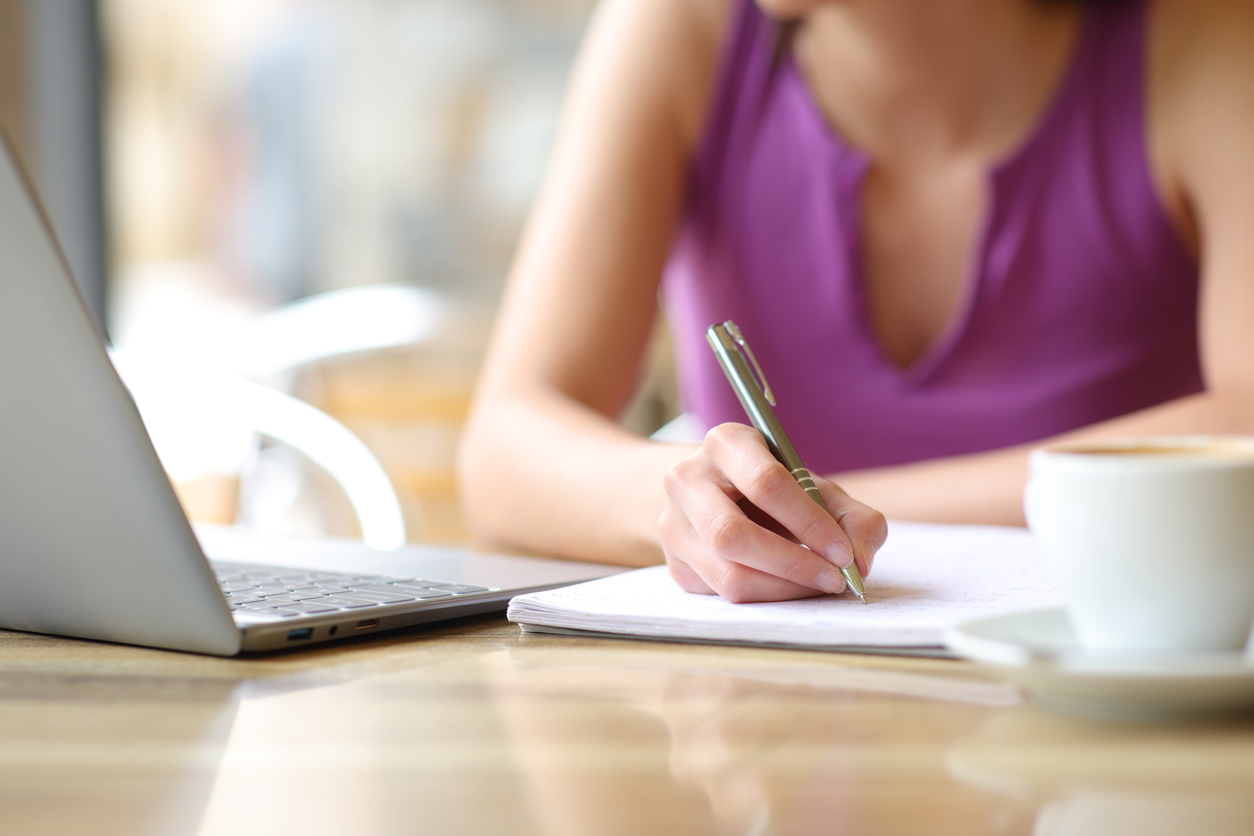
1080,305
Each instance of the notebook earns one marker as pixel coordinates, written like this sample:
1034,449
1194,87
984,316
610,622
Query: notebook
926,579
93,542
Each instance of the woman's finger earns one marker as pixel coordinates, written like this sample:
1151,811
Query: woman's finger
727,536
678,539
696,567
741,455
864,526
686,578
742,584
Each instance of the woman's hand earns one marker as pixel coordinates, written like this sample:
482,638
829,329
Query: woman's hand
736,523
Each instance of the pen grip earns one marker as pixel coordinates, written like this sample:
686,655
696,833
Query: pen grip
853,577
807,484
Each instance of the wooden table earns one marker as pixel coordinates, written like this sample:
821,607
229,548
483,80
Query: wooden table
471,728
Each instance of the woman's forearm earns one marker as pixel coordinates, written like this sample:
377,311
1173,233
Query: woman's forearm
988,487
544,473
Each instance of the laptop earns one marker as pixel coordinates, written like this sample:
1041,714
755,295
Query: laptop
94,543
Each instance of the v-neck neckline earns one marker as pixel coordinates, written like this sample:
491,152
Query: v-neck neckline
852,165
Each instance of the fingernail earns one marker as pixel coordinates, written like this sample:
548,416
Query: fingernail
868,554
838,553
830,580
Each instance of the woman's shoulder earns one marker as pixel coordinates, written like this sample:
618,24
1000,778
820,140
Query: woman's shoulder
1201,80
1201,41
705,26
666,49
1189,18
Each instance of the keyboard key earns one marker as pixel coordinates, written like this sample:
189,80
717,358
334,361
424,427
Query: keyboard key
421,594
281,613
460,588
417,586
346,604
311,607
291,597
377,597
239,598
388,589
303,595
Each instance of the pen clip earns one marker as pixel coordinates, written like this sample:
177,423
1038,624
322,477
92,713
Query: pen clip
739,338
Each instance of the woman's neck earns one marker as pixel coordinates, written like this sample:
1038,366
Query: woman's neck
915,81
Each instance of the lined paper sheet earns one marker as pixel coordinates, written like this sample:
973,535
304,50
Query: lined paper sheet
926,579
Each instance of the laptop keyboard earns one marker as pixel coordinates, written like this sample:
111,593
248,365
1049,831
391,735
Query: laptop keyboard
263,592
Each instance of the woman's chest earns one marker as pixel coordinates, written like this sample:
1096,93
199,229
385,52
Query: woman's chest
917,238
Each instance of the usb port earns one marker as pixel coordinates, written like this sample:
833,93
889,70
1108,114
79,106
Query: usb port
369,622
297,635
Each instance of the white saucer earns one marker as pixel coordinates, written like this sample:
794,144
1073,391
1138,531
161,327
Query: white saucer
1038,651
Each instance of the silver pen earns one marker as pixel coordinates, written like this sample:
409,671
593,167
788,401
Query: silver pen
731,350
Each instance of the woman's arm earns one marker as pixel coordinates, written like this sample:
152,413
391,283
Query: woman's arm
1201,138
543,464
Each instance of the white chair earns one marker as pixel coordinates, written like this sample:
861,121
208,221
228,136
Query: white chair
205,404
332,324
204,420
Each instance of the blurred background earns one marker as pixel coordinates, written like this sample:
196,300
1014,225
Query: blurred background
318,197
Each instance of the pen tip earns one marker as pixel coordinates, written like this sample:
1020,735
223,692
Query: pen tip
862,596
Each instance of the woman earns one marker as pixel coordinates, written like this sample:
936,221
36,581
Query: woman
951,230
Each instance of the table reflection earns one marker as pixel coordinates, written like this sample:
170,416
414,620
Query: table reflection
89,752
468,729
780,748
1077,778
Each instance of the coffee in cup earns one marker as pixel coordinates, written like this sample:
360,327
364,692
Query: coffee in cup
1152,539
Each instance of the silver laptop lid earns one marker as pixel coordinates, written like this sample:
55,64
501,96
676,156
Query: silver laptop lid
93,542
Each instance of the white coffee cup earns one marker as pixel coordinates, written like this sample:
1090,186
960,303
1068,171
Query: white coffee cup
1152,539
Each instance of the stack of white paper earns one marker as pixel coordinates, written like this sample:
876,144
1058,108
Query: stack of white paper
926,579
